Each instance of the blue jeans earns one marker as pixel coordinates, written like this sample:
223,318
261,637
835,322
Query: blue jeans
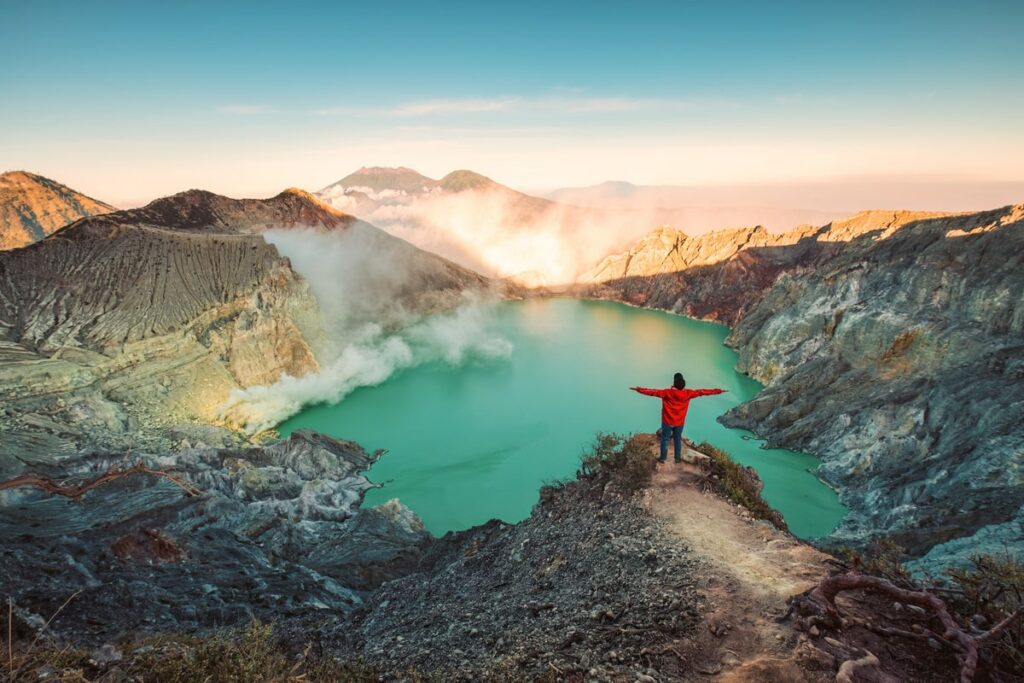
677,440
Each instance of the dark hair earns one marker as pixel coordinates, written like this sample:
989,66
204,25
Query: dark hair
678,381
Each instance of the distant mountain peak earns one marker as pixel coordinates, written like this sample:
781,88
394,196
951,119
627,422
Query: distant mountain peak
33,207
381,178
387,170
458,181
618,184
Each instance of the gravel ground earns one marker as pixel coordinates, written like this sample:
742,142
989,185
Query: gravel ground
590,587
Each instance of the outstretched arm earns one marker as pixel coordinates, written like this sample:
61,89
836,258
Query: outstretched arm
706,392
659,393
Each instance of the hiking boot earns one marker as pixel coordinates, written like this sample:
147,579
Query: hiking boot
677,460
661,460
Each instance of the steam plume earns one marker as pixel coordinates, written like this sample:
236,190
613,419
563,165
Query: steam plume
369,287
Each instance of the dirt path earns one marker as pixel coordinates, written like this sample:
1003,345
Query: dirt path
753,569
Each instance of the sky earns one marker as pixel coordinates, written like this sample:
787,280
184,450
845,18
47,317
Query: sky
128,101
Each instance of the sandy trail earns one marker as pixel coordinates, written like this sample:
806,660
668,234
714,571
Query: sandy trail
753,568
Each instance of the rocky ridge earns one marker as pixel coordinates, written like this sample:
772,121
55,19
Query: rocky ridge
892,346
120,326
32,207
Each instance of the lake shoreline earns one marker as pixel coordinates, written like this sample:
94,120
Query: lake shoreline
491,433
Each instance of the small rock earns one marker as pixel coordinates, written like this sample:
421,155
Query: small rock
710,669
718,630
934,644
833,642
105,656
814,659
729,659
814,631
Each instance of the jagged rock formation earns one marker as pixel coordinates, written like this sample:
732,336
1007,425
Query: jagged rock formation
32,207
276,533
139,319
892,345
724,271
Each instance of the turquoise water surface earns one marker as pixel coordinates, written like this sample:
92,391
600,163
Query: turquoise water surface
470,443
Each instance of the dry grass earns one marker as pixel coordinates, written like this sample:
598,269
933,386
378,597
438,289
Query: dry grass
992,588
624,461
237,656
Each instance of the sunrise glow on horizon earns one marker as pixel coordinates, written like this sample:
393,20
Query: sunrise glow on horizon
130,102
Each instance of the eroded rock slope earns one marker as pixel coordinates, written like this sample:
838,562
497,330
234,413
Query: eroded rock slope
119,325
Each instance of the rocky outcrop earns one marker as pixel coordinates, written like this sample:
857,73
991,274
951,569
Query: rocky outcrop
892,345
717,276
121,325
275,533
32,207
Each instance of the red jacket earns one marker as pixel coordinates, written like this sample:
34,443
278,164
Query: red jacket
675,402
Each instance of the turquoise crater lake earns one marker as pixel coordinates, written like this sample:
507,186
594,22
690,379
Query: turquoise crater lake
470,443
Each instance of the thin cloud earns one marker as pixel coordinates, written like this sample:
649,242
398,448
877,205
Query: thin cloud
245,109
613,104
573,105
455,106
511,104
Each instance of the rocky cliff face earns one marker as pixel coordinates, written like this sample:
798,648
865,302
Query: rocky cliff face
32,207
120,325
892,345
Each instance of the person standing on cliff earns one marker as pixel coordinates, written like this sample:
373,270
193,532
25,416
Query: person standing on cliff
675,401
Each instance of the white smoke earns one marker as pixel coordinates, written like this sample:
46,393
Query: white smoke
501,233
366,284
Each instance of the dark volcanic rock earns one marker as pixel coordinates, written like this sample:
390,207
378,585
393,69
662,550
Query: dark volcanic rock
276,534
